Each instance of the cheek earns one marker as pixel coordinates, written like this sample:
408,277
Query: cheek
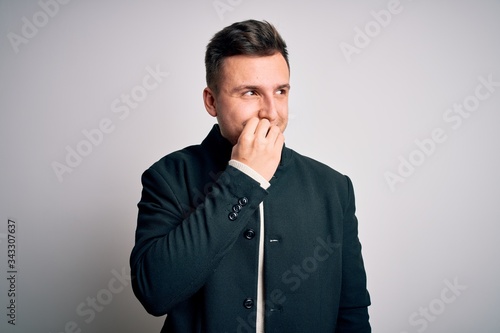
241,111
232,116
283,109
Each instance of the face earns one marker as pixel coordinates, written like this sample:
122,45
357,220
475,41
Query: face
250,87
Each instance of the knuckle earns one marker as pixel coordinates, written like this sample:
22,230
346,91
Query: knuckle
244,140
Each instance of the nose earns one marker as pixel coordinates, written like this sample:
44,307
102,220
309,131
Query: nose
268,109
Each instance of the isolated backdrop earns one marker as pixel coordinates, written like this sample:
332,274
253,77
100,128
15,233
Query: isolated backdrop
402,96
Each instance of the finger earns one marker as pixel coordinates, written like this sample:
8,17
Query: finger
262,129
275,135
250,126
280,140
247,133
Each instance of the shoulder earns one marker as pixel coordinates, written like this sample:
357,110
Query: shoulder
308,164
319,173
181,156
178,164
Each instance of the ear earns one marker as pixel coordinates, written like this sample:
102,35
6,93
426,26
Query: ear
210,102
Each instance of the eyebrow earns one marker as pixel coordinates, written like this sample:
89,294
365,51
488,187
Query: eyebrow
251,87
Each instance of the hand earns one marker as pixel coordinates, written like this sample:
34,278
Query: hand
259,146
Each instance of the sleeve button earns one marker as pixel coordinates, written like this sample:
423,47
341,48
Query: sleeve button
237,208
233,216
243,201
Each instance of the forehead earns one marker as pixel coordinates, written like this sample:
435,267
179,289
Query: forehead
255,70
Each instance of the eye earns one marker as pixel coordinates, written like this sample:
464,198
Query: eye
250,93
281,92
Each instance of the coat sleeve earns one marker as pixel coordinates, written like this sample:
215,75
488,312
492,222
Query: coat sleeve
354,298
174,254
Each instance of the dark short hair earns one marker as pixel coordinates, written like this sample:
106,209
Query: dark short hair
251,37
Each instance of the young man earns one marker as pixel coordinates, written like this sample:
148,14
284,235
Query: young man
240,233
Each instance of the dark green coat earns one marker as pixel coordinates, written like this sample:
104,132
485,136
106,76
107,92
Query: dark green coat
196,250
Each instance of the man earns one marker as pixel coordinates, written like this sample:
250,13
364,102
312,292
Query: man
240,233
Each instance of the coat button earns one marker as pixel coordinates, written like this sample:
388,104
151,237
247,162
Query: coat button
248,303
249,234
243,201
233,216
237,208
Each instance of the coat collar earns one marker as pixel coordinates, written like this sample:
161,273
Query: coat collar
218,146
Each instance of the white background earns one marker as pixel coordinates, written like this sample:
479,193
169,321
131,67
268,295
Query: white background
361,113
